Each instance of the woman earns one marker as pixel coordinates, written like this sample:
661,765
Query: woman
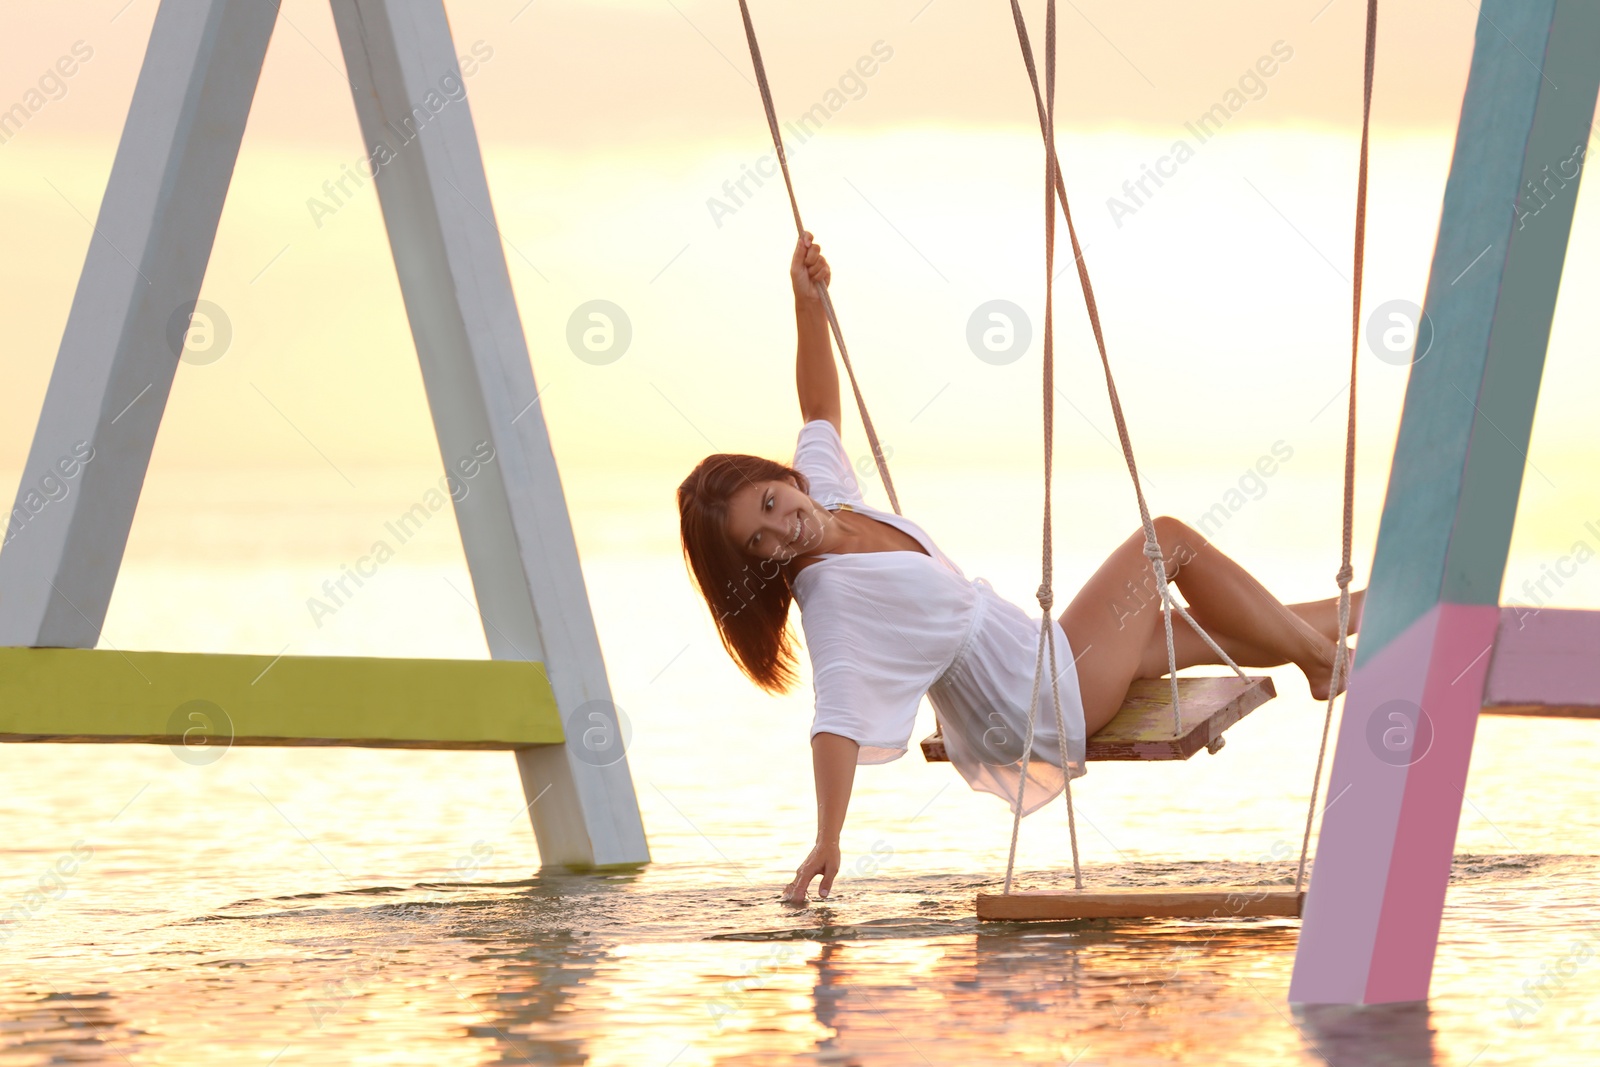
888,618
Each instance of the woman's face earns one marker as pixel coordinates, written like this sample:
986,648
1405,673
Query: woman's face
775,520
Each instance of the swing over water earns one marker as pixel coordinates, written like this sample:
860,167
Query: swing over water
972,677
406,907
279,889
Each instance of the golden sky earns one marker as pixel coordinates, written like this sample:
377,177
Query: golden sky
598,74
612,130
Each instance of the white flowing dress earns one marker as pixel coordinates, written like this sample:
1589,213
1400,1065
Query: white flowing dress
883,629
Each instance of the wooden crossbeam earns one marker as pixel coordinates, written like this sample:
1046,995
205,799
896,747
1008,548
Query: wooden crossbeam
1545,711
1546,663
177,698
1143,729
1204,903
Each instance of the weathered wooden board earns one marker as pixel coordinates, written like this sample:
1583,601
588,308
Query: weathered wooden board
1545,711
1546,662
1211,902
1143,730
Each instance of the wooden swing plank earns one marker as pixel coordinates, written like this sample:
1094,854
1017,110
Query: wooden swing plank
1208,706
1545,711
1211,902
1545,664
111,697
1143,729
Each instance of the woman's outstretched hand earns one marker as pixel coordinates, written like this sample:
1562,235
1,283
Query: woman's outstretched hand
807,268
824,860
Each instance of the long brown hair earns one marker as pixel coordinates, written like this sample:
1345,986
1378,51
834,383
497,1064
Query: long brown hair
748,598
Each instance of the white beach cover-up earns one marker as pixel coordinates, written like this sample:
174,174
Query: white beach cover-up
883,629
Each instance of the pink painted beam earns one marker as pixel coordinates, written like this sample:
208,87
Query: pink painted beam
1428,629
1545,662
1435,783
1394,800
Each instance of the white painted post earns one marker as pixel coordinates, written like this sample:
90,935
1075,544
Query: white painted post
124,336
142,274
518,538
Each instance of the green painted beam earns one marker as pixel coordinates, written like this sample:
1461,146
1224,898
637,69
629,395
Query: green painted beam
1508,206
199,700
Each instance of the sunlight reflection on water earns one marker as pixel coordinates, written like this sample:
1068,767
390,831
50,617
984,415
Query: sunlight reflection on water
329,906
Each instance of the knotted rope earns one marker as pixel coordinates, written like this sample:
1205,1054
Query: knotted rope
827,301
1340,653
1047,633
1054,185
1152,547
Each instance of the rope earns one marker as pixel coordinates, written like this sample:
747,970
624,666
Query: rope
1152,546
1046,598
1343,577
822,290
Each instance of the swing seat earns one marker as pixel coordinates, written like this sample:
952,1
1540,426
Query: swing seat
1208,903
1142,729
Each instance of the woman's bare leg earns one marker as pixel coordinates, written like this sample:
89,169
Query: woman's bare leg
1112,619
1323,615
1192,650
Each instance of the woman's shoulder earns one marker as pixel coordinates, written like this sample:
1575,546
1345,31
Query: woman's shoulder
821,431
819,454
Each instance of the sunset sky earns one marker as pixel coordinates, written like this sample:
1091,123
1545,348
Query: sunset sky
612,135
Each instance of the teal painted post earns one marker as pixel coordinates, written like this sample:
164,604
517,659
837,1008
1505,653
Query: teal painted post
1376,897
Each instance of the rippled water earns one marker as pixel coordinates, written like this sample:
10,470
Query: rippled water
343,906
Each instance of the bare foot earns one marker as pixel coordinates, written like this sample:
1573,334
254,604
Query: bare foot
1323,615
1320,675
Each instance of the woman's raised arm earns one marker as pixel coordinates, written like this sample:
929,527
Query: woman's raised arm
816,379
834,759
